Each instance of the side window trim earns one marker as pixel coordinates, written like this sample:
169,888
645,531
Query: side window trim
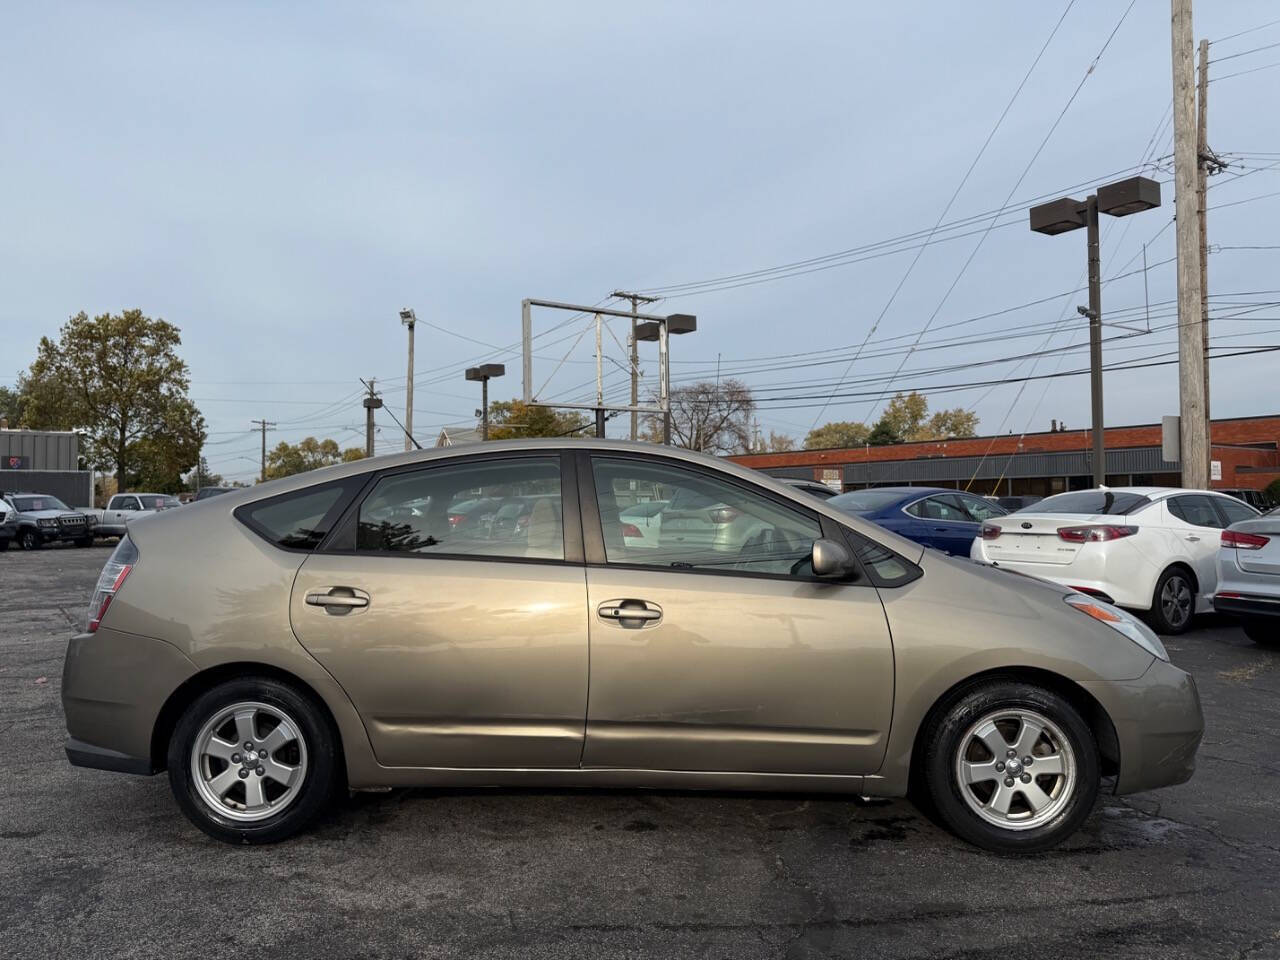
593,532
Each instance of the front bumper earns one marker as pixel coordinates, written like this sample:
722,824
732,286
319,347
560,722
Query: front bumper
1158,724
113,687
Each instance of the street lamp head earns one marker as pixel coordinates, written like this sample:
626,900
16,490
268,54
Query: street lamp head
681,323
407,316
486,371
647,331
1057,216
1124,197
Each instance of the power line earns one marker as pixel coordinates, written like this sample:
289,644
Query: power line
1242,33
1245,53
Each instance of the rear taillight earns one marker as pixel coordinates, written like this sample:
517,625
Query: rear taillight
631,530
990,531
724,515
455,519
1095,533
110,580
1244,541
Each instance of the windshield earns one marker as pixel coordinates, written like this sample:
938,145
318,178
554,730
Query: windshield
39,503
1091,502
864,501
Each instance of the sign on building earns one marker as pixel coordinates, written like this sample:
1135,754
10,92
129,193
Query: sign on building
833,478
1215,469
13,462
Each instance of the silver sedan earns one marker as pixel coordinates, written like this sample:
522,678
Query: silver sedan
1249,577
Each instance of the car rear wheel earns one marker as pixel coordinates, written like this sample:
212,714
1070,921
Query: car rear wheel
1174,602
29,540
1011,767
253,761
1264,631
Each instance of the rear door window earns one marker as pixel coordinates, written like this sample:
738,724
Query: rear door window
1234,510
504,508
1196,510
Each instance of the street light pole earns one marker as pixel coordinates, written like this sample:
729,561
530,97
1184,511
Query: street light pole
1095,341
1119,199
409,319
484,373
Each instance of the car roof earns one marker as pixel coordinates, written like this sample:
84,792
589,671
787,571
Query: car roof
1153,493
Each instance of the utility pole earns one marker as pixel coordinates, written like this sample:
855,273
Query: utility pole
371,403
409,319
1191,356
1207,162
265,425
636,299
600,379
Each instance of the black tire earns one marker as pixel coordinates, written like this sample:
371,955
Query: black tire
30,540
1172,620
317,787
942,745
4,545
1264,631
85,542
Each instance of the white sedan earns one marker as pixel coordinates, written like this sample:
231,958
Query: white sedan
1151,549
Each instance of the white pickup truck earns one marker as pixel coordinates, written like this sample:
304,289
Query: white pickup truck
123,508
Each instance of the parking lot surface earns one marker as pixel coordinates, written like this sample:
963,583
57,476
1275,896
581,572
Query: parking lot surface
95,864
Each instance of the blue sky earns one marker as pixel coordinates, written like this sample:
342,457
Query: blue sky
279,179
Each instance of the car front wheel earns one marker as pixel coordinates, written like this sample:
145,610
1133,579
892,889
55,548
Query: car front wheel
1011,767
30,540
253,761
1174,602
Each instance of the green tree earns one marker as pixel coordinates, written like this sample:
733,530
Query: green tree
907,417
514,419
882,434
842,433
11,406
203,477
286,459
118,379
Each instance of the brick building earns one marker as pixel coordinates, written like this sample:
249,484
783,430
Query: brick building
1246,454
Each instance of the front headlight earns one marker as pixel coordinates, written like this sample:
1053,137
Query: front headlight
1120,621
47,522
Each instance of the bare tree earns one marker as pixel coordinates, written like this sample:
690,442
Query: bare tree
708,416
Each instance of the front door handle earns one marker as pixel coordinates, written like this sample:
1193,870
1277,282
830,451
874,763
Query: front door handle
338,600
631,614
1193,538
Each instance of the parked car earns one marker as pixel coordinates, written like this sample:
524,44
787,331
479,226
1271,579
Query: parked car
1257,499
947,520
1249,576
813,488
123,508
1150,549
642,523
41,519
204,493
8,524
307,649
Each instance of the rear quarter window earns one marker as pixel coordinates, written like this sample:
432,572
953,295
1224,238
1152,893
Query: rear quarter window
299,520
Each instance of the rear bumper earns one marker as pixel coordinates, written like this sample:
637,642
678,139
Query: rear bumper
113,687
1158,724
83,754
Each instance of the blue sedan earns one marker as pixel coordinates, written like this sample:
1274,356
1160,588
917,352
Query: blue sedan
945,519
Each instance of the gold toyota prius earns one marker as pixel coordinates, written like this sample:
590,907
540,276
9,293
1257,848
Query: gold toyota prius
597,613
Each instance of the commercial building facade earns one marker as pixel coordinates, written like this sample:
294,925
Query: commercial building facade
1246,455
45,461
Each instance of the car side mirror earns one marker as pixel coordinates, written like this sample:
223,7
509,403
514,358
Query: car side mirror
832,561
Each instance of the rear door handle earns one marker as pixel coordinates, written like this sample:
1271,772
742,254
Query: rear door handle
338,599
1193,538
630,614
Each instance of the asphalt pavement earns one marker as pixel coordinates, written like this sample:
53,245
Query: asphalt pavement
95,864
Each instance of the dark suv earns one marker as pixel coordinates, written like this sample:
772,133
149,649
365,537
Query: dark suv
46,519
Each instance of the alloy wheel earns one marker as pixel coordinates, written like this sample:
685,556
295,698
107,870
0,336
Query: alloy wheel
1015,769
249,761
1175,601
